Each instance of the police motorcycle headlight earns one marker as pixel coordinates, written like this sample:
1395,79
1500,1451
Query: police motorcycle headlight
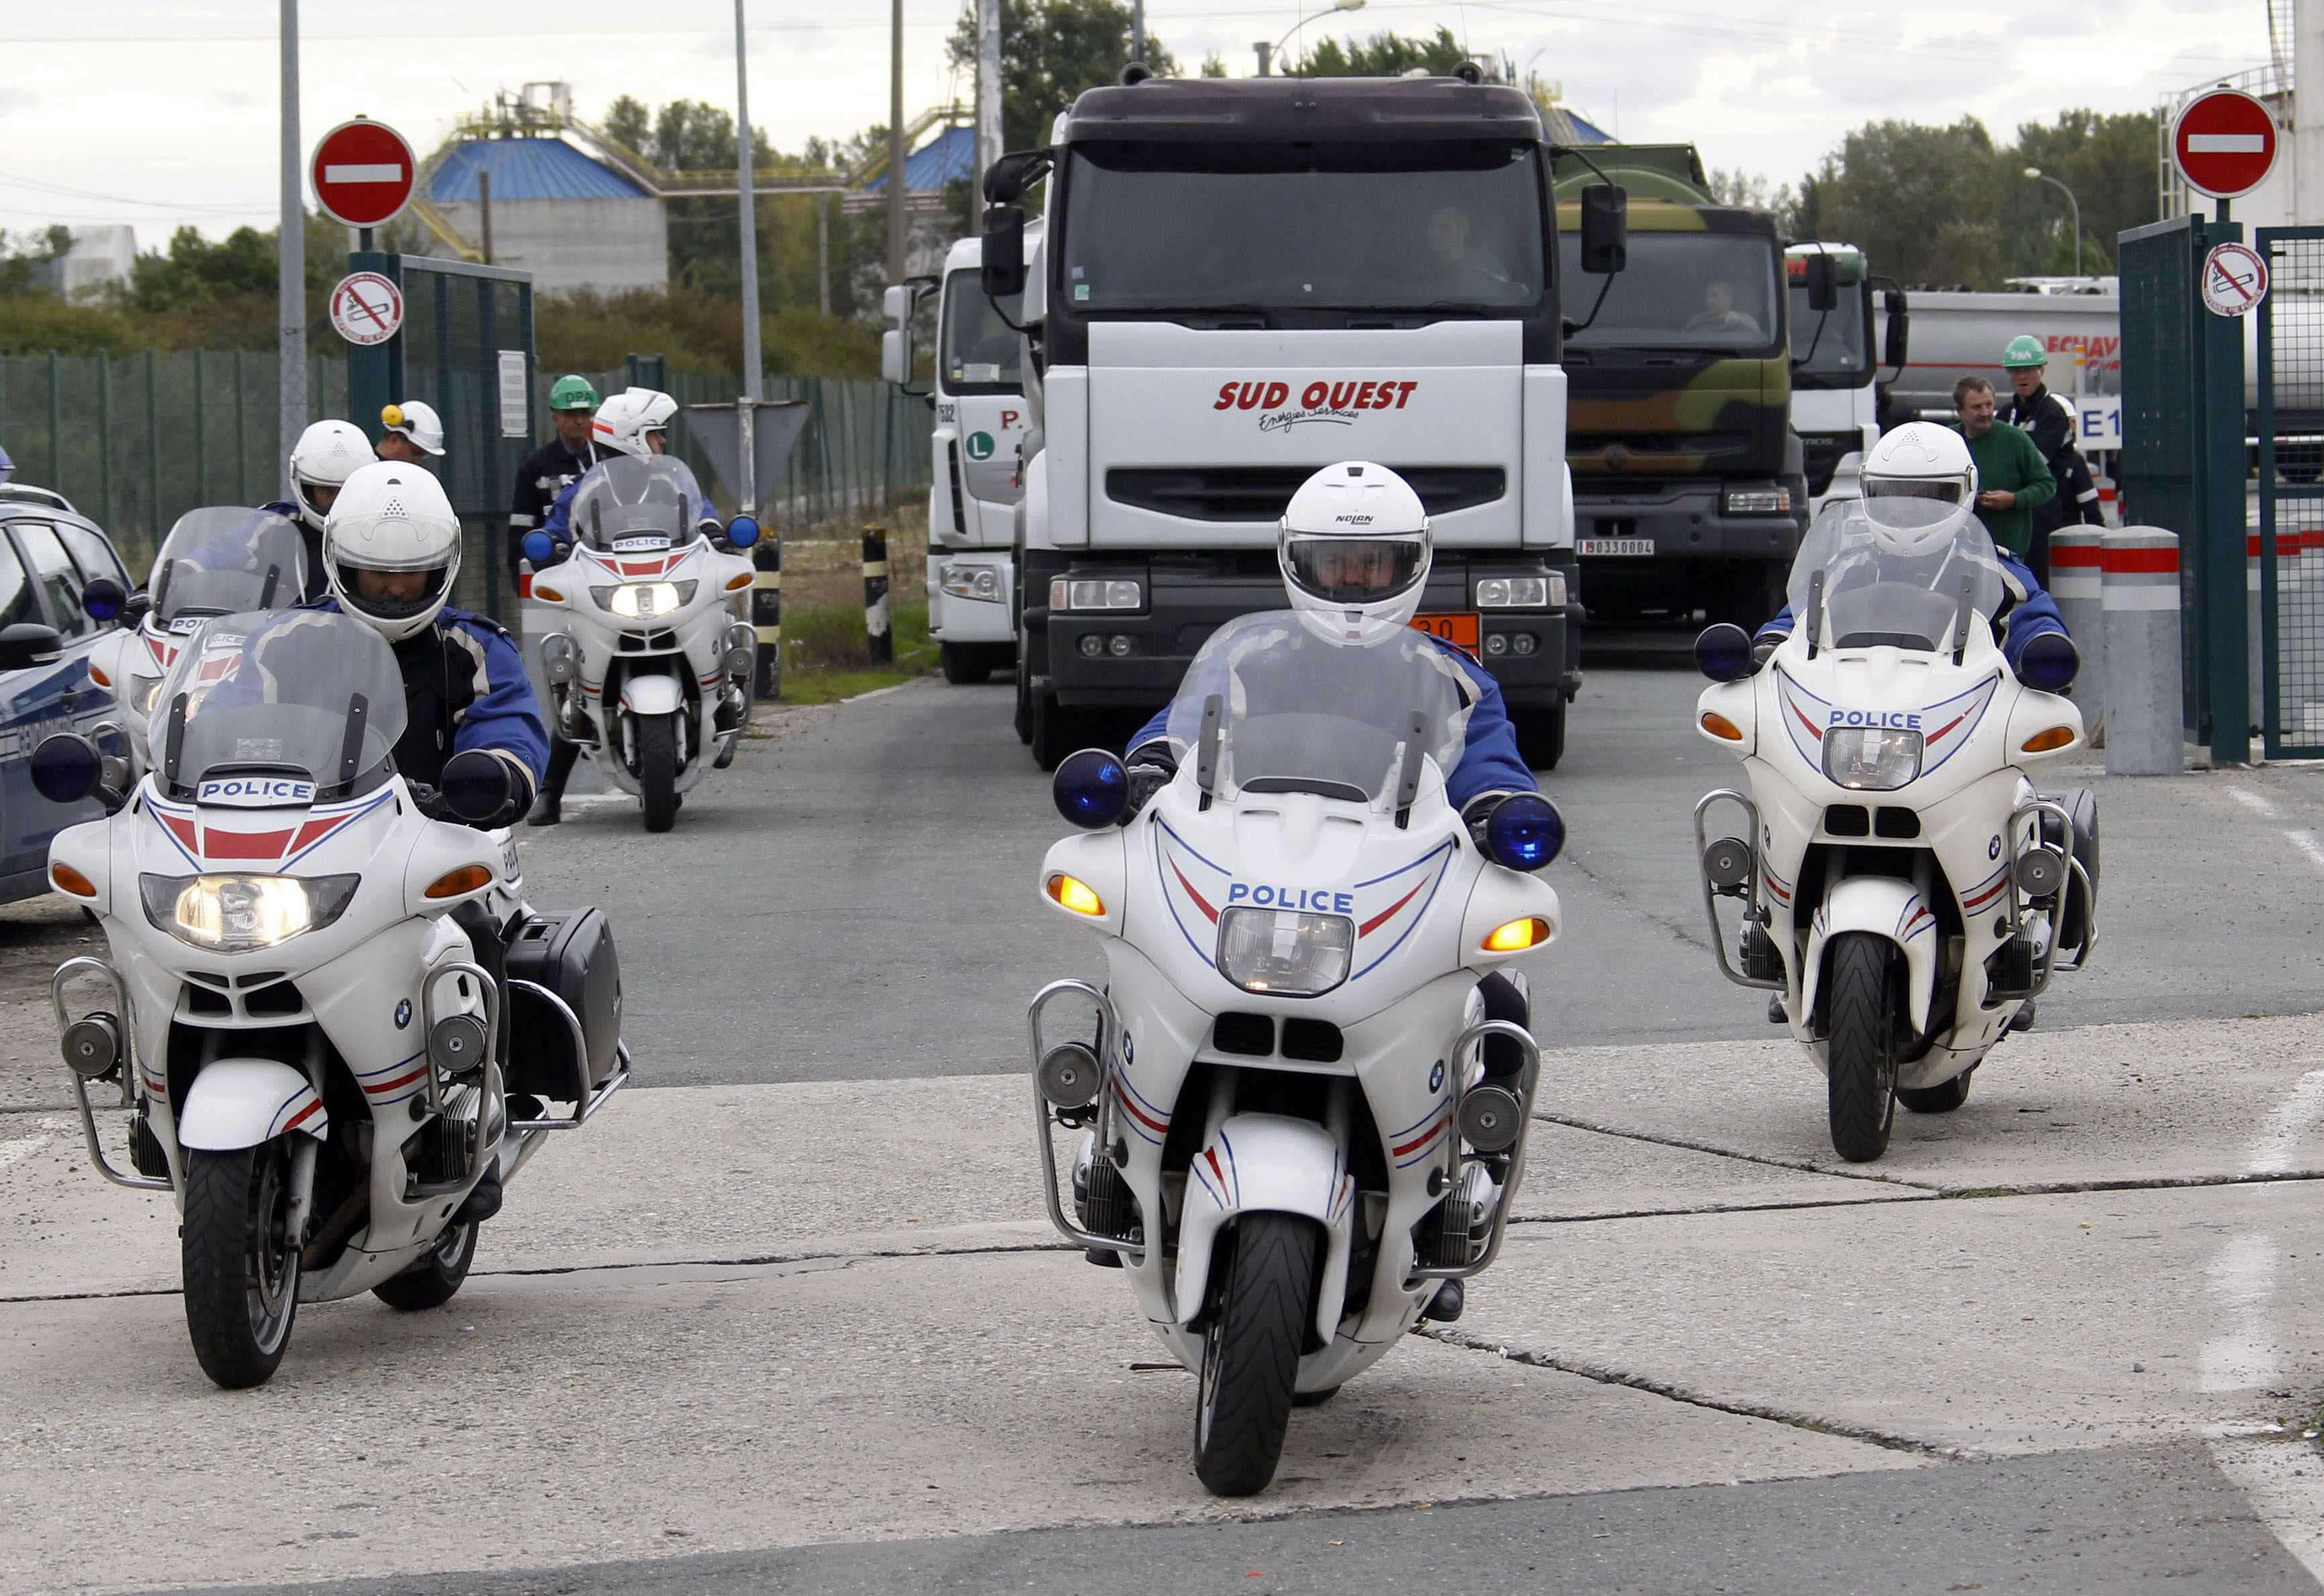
1871,759
634,601
1286,953
143,690
241,913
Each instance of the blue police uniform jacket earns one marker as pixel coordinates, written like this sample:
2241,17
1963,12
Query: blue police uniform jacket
2027,610
1489,762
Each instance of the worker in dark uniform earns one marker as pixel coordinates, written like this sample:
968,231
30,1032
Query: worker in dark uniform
2050,421
555,466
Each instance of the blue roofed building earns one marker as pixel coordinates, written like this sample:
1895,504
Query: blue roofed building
571,219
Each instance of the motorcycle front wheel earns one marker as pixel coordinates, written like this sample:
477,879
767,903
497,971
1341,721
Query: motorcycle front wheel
658,769
241,1263
1250,1352
1867,997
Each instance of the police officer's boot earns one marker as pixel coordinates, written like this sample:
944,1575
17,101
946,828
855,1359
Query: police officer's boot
546,810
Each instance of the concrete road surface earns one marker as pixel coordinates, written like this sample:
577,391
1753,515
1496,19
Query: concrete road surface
786,1317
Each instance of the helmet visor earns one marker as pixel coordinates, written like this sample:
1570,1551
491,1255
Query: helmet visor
1355,570
392,594
1914,503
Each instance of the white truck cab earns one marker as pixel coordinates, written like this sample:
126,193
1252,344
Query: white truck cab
1239,282
1836,369
978,392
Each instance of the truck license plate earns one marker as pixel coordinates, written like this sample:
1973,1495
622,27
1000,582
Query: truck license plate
1644,546
1458,629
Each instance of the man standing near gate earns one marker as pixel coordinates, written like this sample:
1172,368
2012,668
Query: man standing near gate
2049,420
2012,480
549,469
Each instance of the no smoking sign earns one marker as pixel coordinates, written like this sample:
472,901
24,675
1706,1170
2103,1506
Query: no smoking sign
2235,279
367,308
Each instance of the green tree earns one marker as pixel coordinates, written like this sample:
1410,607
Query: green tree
2109,162
1755,192
1383,55
1924,202
1051,51
24,258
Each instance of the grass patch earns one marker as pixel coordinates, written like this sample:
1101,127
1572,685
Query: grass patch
826,657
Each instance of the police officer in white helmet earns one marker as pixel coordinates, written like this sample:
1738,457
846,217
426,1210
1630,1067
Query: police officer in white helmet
326,455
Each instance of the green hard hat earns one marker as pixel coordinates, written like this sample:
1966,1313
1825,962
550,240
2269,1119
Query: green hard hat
574,393
2024,350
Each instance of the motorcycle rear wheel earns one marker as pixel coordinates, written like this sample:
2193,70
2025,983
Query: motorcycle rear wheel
437,1278
1866,995
658,769
1250,1352
241,1264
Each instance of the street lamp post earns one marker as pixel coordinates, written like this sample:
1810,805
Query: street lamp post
2037,174
1268,53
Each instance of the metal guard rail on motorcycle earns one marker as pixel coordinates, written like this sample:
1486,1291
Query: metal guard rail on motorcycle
589,1100
1750,894
1110,1028
2032,837
1528,1081
126,1064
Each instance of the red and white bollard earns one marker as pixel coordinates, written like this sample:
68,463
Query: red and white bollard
2144,709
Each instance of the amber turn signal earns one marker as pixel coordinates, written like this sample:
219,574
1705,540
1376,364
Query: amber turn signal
1718,725
2043,742
1077,895
550,594
96,674
740,580
456,883
1516,936
65,879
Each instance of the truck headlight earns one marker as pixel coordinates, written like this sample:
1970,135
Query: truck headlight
241,913
967,581
1096,593
638,600
1763,500
1520,592
1285,953
1869,759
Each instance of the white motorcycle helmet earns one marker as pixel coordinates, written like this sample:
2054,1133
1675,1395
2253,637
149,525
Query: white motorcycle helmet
417,421
392,517
1354,547
326,454
626,421
1920,489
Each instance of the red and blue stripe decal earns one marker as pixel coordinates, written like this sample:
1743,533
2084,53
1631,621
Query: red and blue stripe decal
1916,919
1149,1121
1987,892
1409,1146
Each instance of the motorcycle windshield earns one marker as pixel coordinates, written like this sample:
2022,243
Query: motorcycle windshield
638,505
302,694
1300,715
1875,595
227,560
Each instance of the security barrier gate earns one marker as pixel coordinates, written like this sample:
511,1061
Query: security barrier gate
2286,542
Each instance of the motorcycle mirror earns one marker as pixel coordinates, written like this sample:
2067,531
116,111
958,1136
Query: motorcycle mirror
474,785
1091,789
1723,652
1525,831
67,768
539,548
2049,663
742,531
103,598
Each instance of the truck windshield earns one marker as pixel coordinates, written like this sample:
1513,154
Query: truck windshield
980,352
1309,227
1681,290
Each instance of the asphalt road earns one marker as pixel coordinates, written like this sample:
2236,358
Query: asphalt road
786,1317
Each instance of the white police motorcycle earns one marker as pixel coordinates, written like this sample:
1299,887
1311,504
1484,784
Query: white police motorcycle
306,1041
219,560
1286,1137
1905,889
649,673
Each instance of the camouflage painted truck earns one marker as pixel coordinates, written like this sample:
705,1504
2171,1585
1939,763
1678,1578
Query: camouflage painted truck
1690,493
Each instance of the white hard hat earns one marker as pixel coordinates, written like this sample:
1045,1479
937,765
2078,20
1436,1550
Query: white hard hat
624,420
1354,548
326,455
1920,488
391,516
415,421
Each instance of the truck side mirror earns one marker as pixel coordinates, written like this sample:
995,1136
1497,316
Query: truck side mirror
1003,270
1822,278
896,354
1897,339
895,304
1605,229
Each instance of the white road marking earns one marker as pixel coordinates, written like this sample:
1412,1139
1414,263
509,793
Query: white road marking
2256,803
2260,805
2243,1284
2292,1118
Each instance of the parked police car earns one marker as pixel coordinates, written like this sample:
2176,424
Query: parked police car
49,555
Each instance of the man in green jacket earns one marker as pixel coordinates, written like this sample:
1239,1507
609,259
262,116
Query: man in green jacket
2013,479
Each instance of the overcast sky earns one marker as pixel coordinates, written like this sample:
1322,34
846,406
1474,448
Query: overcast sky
160,114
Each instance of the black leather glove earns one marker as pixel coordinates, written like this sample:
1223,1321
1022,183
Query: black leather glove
1151,767
1477,813
429,802
1762,650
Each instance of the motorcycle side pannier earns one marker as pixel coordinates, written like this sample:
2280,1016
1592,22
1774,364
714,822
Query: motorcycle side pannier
569,954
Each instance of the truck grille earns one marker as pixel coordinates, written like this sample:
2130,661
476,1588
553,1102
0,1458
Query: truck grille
1260,493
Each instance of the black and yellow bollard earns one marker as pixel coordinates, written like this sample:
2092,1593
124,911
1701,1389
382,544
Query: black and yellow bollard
879,638
767,615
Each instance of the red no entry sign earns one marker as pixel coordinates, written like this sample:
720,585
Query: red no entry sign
362,172
2224,143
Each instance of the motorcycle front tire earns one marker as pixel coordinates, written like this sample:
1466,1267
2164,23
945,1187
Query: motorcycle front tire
241,1264
1250,1352
658,769
1867,996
